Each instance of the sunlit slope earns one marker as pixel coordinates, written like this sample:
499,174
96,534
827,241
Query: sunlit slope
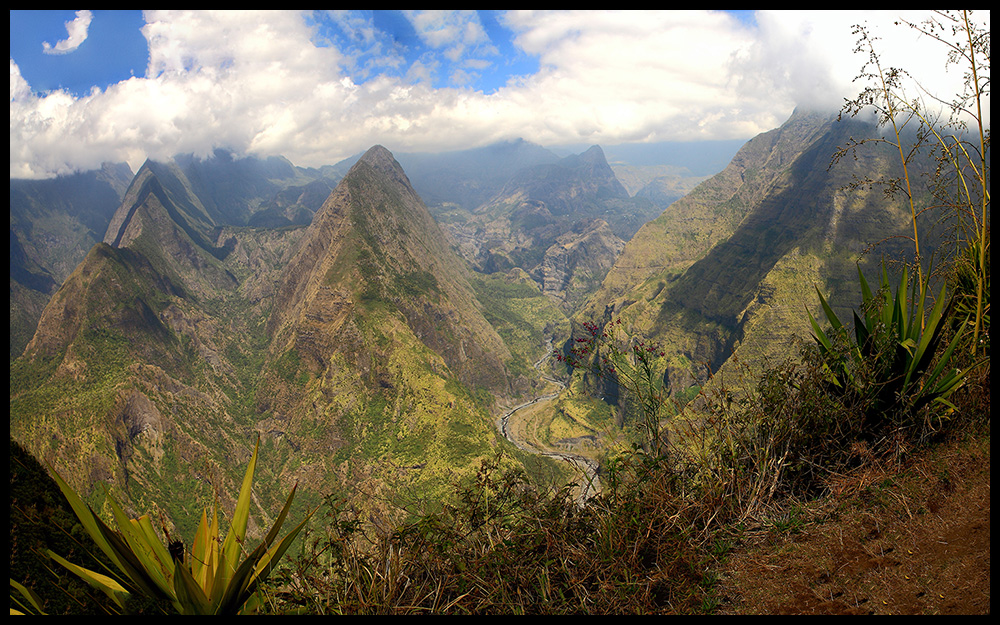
735,263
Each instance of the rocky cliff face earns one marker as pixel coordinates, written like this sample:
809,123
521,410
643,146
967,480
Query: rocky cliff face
166,221
576,264
732,265
53,224
566,187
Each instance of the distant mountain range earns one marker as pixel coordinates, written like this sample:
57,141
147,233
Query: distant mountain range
369,319
53,224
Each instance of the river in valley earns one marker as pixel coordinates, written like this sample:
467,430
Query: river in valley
589,482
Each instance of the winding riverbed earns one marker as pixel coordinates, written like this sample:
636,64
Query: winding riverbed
590,484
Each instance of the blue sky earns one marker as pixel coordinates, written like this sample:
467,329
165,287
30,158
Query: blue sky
386,42
317,86
113,50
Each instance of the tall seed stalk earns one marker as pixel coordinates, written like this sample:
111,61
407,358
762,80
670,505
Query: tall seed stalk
886,95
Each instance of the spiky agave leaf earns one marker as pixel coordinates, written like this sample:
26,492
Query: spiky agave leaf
29,595
205,550
255,568
896,343
108,585
111,543
236,537
213,582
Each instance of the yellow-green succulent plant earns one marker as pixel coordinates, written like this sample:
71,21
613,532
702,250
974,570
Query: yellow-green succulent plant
217,577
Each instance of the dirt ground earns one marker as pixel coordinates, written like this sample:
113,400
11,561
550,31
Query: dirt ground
908,540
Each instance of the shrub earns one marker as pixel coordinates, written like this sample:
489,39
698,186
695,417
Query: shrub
501,546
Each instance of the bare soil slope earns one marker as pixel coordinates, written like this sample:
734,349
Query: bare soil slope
903,540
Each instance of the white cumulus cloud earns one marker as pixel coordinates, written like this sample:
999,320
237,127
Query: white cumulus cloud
77,31
262,83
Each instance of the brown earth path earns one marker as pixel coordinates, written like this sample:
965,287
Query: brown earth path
907,540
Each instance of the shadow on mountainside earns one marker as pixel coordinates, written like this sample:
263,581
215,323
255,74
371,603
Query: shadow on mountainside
911,539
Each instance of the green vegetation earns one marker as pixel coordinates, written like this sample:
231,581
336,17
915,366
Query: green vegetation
40,519
891,352
522,316
289,368
216,577
417,284
631,366
498,546
747,453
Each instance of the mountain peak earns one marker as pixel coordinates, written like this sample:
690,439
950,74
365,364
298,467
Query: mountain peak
379,157
593,159
381,160
374,249
594,153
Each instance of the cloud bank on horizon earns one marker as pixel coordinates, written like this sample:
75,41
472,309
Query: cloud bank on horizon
317,87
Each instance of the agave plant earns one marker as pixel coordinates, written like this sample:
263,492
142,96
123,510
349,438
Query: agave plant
890,355
215,579
972,293
24,594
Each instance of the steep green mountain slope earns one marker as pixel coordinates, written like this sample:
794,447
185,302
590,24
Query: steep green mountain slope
356,348
138,375
53,224
223,190
732,266
378,337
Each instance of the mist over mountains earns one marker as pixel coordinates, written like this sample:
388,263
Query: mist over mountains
370,319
